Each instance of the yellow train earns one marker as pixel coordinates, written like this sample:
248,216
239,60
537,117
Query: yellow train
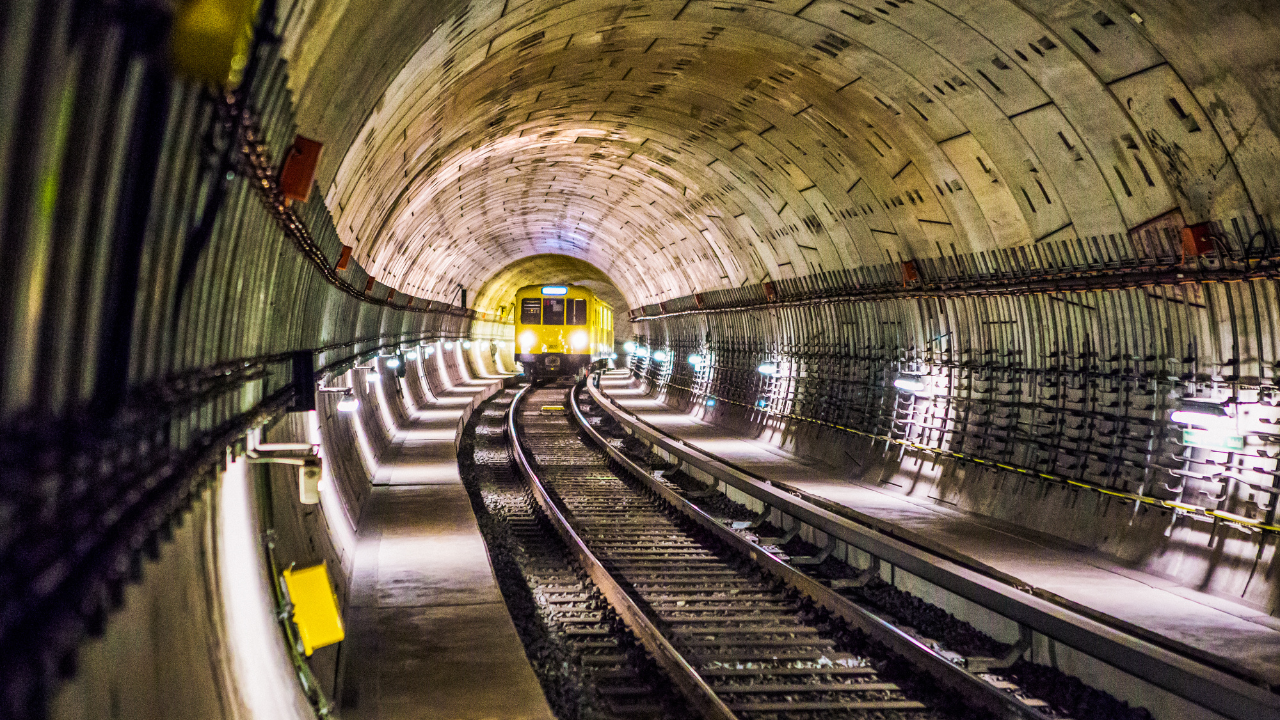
561,330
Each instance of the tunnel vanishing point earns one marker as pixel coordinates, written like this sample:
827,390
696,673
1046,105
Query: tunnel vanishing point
1013,262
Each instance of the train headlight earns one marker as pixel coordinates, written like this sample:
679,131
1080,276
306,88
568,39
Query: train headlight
527,339
578,339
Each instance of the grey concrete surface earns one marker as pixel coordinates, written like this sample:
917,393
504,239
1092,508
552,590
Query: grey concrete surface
429,635
1240,634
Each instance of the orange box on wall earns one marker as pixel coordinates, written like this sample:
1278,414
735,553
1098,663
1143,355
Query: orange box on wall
299,169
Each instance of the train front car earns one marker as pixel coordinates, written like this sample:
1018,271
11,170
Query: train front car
561,330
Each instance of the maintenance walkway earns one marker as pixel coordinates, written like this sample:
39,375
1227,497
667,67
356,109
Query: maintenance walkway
429,635
1232,634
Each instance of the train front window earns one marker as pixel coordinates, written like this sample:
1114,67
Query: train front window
531,311
576,312
552,311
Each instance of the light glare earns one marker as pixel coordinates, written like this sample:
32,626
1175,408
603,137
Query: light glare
910,383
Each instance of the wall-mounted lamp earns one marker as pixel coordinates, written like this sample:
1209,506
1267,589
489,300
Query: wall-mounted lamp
448,345
629,347
697,360
1202,414
348,403
768,368
410,354
914,384
660,355
393,361
1209,426
466,344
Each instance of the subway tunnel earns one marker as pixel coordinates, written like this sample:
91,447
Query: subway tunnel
982,293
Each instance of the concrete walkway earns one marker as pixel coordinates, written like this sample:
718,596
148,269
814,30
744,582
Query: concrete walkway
1241,636
429,635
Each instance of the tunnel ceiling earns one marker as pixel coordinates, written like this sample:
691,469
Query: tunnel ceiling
543,269
687,146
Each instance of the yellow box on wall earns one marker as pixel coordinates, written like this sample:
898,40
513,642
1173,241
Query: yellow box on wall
211,38
315,607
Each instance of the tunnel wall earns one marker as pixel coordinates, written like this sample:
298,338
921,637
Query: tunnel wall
1045,409
157,293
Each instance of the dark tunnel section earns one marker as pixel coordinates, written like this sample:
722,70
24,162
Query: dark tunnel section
159,296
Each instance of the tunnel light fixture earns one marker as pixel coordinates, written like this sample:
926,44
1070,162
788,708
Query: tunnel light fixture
697,360
613,356
642,352
372,376
430,350
660,355
393,362
1204,414
555,290
629,347
410,354
348,403
768,368
911,383
466,344
448,345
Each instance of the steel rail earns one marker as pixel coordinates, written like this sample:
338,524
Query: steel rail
682,674
975,691
1214,688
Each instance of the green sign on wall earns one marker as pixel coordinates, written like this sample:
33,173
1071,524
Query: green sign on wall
1212,439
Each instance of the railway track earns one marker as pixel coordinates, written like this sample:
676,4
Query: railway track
740,633
587,661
